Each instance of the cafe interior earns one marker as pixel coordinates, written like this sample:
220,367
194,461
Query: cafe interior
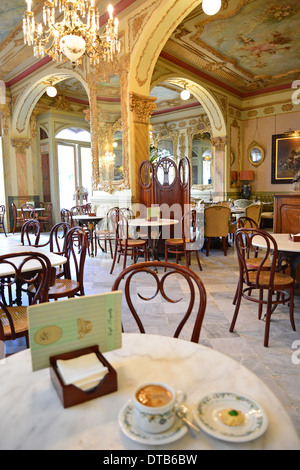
150,224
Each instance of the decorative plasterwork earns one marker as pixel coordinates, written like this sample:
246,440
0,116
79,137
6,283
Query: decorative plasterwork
142,107
20,144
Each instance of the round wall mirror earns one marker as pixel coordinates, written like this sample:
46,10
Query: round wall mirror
256,154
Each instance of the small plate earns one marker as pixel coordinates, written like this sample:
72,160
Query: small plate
127,424
207,415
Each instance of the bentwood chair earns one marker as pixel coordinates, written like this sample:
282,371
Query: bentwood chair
186,244
66,216
106,233
2,215
18,220
216,225
46,220
279,287
30,232
124,245
71,284
13,318
27,211
146,275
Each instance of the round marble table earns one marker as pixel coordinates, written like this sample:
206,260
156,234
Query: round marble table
287,249
32,416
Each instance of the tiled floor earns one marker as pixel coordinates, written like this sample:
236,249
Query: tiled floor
273,365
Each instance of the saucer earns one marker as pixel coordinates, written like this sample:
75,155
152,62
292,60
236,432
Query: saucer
207,415
127,425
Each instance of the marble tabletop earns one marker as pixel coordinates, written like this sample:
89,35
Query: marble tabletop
32,416
283,242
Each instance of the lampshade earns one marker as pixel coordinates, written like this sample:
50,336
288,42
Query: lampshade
247,175
51,91
233,176
185,94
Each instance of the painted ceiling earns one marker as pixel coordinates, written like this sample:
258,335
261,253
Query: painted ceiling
249,45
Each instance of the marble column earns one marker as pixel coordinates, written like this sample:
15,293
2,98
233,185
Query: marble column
219,144
20,146
141,108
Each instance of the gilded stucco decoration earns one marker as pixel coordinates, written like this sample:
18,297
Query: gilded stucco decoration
103,73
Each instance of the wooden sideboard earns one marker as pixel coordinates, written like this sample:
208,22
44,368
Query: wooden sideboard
287,213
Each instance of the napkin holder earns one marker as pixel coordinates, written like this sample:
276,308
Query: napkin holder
294,238
92,214
71,395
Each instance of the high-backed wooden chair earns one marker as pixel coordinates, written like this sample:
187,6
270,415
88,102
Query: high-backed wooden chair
143,274
216,224
279,287
188,242
13,318
75,251
18,219
124,245
2,216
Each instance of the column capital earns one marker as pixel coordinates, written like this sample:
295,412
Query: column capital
142,107
20,144
219,142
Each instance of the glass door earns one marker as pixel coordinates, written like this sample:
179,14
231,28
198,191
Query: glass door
66,174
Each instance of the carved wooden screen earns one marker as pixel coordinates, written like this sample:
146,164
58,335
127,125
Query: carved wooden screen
165,183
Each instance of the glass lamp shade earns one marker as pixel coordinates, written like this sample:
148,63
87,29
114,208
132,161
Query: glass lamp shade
211,7
185,94
72,46
51,91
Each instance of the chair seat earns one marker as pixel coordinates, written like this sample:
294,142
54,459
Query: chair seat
175,241
254,263
132,243
104,233
63,286
280,280
20,320
267,215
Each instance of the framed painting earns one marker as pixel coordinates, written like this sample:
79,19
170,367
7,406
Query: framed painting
285,157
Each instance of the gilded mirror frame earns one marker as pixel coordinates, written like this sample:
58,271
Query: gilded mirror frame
252,146
104,72
164,133
205,128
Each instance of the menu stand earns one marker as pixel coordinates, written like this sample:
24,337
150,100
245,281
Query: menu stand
71,395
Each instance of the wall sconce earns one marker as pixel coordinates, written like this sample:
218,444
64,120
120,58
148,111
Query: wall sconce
246,176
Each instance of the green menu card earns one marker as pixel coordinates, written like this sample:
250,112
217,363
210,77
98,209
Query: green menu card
76,323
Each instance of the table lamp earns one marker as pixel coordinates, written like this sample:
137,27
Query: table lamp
246,176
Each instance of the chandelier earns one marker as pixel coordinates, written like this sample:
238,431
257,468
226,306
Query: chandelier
108,159
77,34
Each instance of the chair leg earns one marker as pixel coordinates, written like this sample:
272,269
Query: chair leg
114,259
198,259
237,307
261,296
207,246
268,318
292,309
224,245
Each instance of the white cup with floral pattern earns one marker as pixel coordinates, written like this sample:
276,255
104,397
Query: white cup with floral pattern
154,407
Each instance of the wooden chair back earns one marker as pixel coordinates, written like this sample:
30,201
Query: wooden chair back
75,247
30,232
13,326
134,276
246,222
66,216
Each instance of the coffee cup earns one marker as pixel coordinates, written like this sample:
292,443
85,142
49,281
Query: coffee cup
154,407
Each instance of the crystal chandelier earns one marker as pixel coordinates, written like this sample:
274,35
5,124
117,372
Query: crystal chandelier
77,34
108,159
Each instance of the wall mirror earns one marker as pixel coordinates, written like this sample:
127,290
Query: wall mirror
109,131
256,154
202,166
